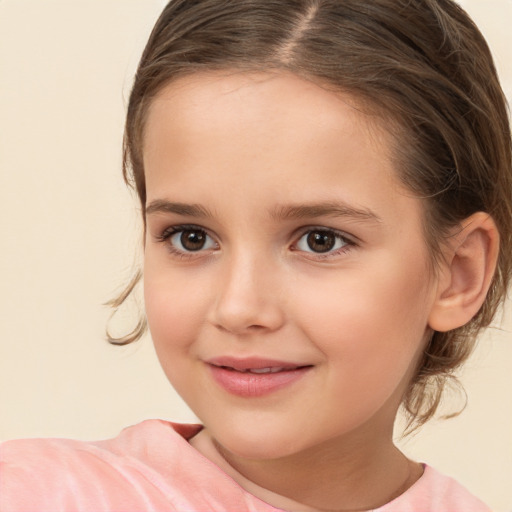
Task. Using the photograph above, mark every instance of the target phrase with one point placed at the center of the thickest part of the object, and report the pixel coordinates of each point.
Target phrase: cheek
(373, 320)
(174, 309)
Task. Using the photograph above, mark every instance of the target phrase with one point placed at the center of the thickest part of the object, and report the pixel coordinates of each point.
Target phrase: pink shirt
(151, 467)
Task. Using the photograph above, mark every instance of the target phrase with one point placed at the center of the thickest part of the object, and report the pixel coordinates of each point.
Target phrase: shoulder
(150, 466)
(435, 492)
(138, 442)
(123, 473)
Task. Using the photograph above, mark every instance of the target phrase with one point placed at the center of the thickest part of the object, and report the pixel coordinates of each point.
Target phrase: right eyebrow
(190, 210)
(328, 208)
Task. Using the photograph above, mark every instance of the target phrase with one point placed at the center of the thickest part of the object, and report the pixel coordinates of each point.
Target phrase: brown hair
(421, 63)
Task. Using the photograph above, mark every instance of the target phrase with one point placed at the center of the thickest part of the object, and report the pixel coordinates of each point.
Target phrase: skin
(245, 148)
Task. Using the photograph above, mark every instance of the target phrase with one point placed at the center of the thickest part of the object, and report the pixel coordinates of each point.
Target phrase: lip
(233, 375)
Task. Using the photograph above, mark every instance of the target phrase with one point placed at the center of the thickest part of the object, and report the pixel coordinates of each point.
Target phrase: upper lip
(253, 363)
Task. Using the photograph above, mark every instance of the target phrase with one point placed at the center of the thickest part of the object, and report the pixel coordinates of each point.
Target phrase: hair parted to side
(421, 64)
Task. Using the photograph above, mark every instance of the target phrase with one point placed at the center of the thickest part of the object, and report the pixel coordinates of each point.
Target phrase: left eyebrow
(323, 209)
(164, 206)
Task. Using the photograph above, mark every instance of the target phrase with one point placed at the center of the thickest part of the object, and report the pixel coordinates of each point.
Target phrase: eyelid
(177, 228)
(349, 237)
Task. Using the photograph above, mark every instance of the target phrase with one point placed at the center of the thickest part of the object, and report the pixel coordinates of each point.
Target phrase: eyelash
(347, 241)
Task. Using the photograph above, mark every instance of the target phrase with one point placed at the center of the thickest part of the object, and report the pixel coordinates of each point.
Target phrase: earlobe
(468, 269)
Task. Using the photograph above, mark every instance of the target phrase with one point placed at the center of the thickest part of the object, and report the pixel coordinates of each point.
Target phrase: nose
(249, 298)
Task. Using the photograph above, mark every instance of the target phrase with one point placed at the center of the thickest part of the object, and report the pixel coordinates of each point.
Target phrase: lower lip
(255, 384)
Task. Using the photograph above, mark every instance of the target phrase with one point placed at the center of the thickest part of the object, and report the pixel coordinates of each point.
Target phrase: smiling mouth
(251, 378)
(259, 371)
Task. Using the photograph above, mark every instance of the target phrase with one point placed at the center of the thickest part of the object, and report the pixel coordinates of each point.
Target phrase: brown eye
(322, 241)
(190, 240)
(193, 240)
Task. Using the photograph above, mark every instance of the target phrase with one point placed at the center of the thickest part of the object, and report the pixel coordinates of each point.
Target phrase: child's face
(279, 236)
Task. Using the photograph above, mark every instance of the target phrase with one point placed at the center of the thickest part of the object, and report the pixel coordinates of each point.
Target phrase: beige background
(69, 231)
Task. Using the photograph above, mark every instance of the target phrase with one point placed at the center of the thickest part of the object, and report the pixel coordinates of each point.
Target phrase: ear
(466, 273)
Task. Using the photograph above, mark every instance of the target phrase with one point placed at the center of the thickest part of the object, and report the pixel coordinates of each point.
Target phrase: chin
(266, 450)
(260, 442)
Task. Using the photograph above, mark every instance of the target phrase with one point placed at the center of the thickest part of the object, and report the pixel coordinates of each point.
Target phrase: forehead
(282, 135)
(226, 100)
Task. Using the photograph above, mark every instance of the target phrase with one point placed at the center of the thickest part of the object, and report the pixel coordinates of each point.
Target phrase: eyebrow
(324, 209)
(284, 212)
(164, 206)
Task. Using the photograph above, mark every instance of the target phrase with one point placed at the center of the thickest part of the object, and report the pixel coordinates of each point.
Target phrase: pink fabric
(151, 467)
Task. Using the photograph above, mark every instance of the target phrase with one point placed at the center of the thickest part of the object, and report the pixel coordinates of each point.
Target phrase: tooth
(261, 370)
(234, 369)
(266, 370)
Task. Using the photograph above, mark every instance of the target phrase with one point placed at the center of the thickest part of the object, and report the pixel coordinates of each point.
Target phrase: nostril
(239, 329)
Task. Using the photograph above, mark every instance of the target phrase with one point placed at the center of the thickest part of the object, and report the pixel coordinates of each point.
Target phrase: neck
(340, 475)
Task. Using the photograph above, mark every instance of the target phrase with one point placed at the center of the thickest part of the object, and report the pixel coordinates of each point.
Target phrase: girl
(326, 191)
